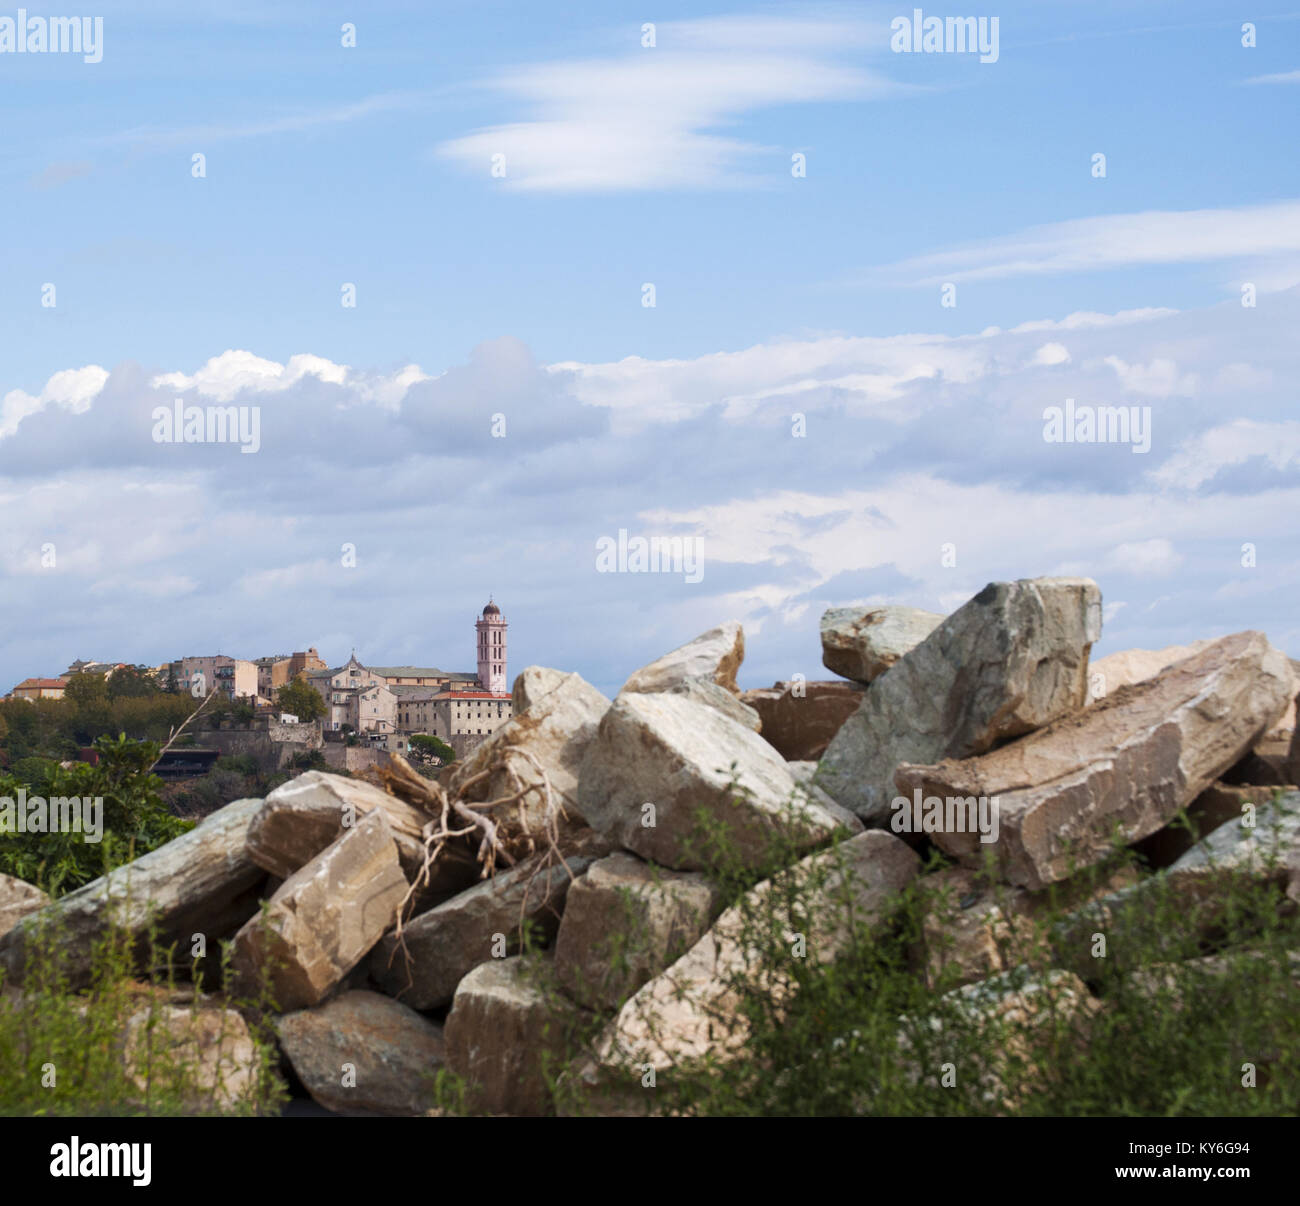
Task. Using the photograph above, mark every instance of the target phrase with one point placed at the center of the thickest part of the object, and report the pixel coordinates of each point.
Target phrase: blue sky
(522, 295)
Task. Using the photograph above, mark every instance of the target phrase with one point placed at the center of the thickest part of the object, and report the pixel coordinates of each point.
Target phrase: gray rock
(659, 760)
(450, 940)
(1128, 763)
(624, 922)
(17, 899)
(861, 643)
(203, 882)
(1011, 660)
(714, 656)
(324, 919)
(676, 1015)
(508, 1037)
(364, 1053)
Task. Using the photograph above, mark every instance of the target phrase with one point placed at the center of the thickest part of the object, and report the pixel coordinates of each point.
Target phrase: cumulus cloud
(500, 474)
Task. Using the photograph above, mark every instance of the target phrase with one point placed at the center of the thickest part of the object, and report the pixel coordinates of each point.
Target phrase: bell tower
(491, 628)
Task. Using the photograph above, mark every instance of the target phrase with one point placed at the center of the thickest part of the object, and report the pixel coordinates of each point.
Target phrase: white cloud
(1052, 353)
(1203, 456)
(1279, 77)
(1114, 241)
(72, 389)
(649, 119)
(1145, 558)
(1159, 379)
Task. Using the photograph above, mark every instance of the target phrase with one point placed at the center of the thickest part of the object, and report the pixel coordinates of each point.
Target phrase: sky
(416, 245)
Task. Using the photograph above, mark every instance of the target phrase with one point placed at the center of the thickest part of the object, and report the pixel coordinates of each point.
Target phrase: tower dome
(491, 609)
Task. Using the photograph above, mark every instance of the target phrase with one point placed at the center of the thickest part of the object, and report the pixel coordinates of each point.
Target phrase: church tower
(491, 629)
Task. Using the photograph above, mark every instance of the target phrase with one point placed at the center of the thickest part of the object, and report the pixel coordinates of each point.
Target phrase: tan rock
(624, 922)
(364, 1053)
(861, 643)
(203, 882)
(445, 944)
(555, 720)
(508, 1036)
(17, 899)
(208, 1053)
(1011, 660)
(800, 718)
(1125, 765)
(714, 655)
(324, 919)
(660, 760)
(1107, 674)
(300, 818)
(692, 1009)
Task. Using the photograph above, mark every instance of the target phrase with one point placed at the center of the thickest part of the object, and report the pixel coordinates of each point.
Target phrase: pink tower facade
(491, 628)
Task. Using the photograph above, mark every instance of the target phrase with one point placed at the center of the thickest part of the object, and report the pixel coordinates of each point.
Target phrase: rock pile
(554, 884)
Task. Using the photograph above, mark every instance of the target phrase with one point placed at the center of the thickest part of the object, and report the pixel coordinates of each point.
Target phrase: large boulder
(714, 656)
(324, 919)
(624, 922)
(364, 1053)
(799, 719)
(1107, 674)
(440, 947)
(203, 882)
(861, 643)
(659, 760)
(508, 1036)
(693, 1010)
(17, 899)
(206, 1053)
(703, 670)
(300, 818)
(1127, 764)
(1011, 660)
(555, 719)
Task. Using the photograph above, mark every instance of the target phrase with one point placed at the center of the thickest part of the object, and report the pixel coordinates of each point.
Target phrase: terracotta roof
(470, 695)
(42, 682)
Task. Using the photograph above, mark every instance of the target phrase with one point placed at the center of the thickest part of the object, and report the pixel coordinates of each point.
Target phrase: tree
(300, 699)
(433, 746)
(85, 690)
(132, 682)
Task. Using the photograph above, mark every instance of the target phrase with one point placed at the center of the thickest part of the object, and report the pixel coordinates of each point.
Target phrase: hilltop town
(385, 705)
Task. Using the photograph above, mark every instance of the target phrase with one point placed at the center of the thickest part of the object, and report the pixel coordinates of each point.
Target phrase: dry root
(453, 819)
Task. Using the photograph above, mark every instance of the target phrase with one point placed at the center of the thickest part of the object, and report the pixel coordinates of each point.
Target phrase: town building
(39, 688)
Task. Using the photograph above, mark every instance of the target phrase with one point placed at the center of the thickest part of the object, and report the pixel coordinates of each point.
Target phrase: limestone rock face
(675, 755)
(300, 818)
(624, 922)
(325, 918)
(714, 656)
(1011, 660)
(555, 719)
(203, 882)
(506, 1035)
(861, 643)
(445, 944)
(691, 1009)
(799, 719)
(17, 899)
(394, 1054)
(1132, 760)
